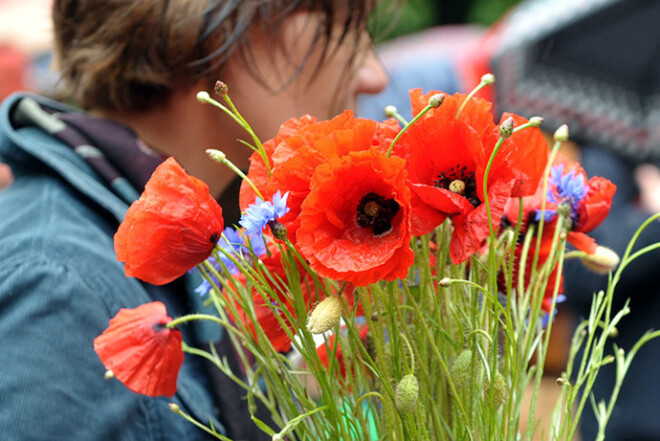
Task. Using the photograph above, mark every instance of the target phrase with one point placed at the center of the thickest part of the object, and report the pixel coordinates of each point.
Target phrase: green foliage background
(400, 17)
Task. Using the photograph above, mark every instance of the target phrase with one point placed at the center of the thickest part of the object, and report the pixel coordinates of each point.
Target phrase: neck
(184, 128)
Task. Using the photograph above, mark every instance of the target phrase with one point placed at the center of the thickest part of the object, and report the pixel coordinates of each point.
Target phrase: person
(134, 68)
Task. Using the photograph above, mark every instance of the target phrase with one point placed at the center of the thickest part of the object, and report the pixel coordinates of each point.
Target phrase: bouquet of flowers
(388, 280)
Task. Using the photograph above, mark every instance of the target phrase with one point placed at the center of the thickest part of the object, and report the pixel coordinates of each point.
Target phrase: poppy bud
(488, 79)
(561, 134)
(436, 100)
(174, 407)
(406, 394)
(461, 370)
(506, 128)
(221, 88)
(499, 392)
(391, 111)
(203, 96)
(535, 121)
(326, 315)
(445, 282)
(109, 375)
(602, 261)
(216, 155)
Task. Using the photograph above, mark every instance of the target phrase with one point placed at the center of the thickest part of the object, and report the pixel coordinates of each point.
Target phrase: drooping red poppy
(141, 351)
(446, 164)
(355, 221)
(295, 157)
(171, 228)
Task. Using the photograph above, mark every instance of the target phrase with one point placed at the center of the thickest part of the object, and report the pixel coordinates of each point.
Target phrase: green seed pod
(500, 391)
(461, 371)
(406, 394)
(326, 315)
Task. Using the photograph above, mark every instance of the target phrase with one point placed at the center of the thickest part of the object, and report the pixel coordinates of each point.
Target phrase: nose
(371, 76)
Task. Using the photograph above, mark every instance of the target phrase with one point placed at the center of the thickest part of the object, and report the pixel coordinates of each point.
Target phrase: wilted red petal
(141, 352)
(171, 228)
(596, 204)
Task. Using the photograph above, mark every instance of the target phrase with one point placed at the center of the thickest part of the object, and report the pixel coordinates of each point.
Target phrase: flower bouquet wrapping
(387, 280)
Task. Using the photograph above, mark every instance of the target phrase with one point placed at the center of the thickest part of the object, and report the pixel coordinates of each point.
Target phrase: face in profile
(291, 77)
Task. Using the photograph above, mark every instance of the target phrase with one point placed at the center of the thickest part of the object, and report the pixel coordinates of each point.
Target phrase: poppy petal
(140, 351)
(172, 227)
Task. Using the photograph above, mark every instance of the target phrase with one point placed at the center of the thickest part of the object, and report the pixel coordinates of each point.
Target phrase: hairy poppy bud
(499, 392)
(203, 96)
(391, 111)
(602, 261)
(326, 315)
(406, 394)
(216, 155)
(461, 370)
(561, 134)
(488, 79)
(535, 121)
(221, 88)
(506, 128)
(436, 100)
(174, 407)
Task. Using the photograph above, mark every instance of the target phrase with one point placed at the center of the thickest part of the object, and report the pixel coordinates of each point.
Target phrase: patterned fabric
(111, 149)
(590, 63)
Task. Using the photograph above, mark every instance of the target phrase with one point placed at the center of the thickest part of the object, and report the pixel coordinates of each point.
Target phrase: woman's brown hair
(130, 55)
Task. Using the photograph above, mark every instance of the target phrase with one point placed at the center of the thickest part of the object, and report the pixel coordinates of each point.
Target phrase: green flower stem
(174, 408)
(443, 366)
(406, 127)
(242, 175)
(204, 97)
(248, 128)
(191, 317)
(474, 91)
(496, 149)
(546, 178)
(291, 425)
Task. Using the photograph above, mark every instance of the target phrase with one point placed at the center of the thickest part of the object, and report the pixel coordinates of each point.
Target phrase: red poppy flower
(295, 156)
(140, 351)
(171, 228)
(446, 164)
(526, 151)
(589, 201)
(355, 221)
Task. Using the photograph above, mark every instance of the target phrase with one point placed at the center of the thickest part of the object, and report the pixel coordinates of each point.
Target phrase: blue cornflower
(232, 243)
(261, 213)
(569, 188)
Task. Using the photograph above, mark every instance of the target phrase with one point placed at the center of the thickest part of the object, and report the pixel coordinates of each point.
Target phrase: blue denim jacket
(60, 284)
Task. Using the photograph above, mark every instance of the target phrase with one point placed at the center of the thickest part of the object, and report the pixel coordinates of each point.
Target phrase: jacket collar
(20, 145)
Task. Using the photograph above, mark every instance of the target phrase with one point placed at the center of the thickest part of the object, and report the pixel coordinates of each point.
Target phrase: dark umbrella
(594, 64)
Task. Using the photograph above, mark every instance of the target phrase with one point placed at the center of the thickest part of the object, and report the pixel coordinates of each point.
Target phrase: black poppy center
(214, 238)
(159, 326)
(376, 212)
(461, 181)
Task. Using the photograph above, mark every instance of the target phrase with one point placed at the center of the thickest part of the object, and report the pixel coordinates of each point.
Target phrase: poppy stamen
(376, 212)
(461, 181)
